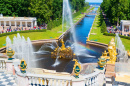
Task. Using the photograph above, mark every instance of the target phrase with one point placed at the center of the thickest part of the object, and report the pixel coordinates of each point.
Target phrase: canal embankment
(95, 34)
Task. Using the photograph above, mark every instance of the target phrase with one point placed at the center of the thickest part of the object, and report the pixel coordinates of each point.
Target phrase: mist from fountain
(67, 17)
(122, 53)
(57, 61)
(122, 65)
(66, 20)
(47, 48)
(22, 48)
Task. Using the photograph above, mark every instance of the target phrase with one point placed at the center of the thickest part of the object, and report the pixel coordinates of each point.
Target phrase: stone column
(0, 23)
(9, 23)
(20, 23)
(15, 23)
(35, 23)
(129, 28)
(22, 80)
(79, 81)
(26, 24)
(4, 23)
(122, 29)
(31, 24)
(9, 67)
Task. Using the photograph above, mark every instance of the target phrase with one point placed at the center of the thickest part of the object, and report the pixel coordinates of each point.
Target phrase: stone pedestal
(78, 81)
(16, 67)
(22, 80)
(110, 70)
(101, 76)
(9, 67)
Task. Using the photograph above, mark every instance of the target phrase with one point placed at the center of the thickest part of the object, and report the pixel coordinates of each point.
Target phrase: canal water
(83, 28)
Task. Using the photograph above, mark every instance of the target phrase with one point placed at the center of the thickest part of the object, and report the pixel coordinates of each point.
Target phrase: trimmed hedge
(25, 31)
(109, 34)
(112, 34)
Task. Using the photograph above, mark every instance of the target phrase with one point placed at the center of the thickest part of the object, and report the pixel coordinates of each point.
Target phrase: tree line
(44, 10)
(116, 10)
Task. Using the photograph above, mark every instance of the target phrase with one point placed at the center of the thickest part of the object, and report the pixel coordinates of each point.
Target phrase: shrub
(103, 27)
(121, 36)
(26, 31)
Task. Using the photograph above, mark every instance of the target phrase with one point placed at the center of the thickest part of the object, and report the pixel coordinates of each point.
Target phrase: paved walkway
(108, 81)
(7, 79)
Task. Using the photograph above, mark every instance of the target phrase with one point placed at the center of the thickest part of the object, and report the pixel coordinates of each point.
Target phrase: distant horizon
(94, 1)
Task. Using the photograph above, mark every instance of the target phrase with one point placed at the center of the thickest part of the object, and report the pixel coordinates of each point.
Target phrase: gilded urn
(23, 66)
(76, 68)
(102, 62)
(10, 53)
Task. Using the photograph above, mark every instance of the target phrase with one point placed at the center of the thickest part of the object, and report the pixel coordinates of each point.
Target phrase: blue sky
(93, 0)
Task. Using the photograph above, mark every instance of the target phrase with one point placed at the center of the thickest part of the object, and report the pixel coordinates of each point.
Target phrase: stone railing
(55, 79)
(29, 79)
(92, 79)
(49, 80)
(2, 64)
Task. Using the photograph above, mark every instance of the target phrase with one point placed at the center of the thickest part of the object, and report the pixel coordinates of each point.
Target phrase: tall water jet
(67, 18)
(122, 53)
(22, 48)
(122, 57)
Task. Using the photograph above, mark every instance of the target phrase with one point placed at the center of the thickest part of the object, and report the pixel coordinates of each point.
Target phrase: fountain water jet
(122, 54)
(57, 61)
(22, 48)
(67, 17)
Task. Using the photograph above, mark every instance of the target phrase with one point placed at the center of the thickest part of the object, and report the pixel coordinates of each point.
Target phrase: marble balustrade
(49, 80)
(92, 79)
(28, 79)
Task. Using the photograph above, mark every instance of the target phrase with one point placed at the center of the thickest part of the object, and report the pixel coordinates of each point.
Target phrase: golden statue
(105, 54)
(63, 52)
(63, 45)
(76, 68)
(87, 39)
(112, 52)
(128, 52)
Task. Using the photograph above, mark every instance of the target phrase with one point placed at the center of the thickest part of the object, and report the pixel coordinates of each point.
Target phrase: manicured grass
(49, 34)
(102, 38)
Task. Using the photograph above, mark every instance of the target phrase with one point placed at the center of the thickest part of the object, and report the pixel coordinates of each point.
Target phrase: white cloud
(93, 0)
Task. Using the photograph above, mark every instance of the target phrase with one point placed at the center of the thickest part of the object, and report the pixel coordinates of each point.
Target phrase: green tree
(103, 27)
(42, 9)
(57, 9)
(116, 10)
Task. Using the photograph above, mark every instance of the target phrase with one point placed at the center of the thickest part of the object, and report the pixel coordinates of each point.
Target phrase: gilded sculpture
(63, 52)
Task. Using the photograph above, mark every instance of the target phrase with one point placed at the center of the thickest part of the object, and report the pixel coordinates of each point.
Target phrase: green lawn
(102, 38)
(49, 34)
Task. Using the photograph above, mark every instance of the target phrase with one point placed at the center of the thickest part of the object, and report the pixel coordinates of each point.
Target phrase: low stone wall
(97, 44)
(2, 50)
(38, 42)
